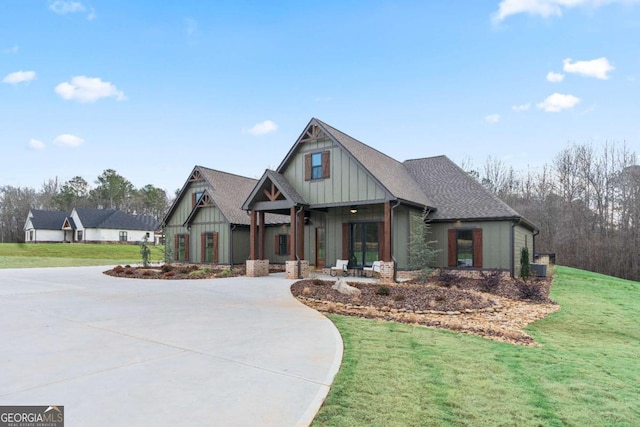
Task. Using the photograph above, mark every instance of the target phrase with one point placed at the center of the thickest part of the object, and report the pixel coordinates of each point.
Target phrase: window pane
(465, 248)
(209, 247)
(316, 166)
(364, 244)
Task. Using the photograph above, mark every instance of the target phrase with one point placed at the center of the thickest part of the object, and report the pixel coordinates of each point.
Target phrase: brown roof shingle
(456, 194)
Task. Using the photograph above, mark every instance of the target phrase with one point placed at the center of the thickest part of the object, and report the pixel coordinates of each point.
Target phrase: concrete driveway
(233, 352)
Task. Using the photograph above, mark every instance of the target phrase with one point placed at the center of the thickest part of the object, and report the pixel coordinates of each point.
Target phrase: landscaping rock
(343, 287)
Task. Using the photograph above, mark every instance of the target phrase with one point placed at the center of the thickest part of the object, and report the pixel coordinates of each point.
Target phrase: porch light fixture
(353, 210)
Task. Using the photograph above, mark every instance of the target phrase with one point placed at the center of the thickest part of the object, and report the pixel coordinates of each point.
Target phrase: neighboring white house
(89, 225)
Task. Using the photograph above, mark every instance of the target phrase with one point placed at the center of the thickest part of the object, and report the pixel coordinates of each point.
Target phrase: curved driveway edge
(236, 352)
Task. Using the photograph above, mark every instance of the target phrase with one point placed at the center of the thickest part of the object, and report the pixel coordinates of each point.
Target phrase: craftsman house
(346, 200)
(88, 225)
(333, 197)
(206, 223)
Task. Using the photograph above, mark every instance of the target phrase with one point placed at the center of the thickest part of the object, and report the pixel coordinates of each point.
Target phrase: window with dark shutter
(317, 165)
(464, 249)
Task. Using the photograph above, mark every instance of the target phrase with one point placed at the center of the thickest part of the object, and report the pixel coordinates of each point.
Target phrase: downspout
(231, 228)
(533, 244)
(393, 258)
(513, 248)
(295, 243)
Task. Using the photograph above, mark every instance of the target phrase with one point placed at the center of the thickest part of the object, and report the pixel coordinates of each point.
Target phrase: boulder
(344, 288)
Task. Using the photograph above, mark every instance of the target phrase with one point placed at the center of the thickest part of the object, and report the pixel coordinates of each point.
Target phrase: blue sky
(151, 89)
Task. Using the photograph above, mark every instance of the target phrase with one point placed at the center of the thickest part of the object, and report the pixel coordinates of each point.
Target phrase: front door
(320, 247)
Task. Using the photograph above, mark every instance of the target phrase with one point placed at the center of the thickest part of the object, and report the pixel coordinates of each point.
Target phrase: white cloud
(492, 118)
(68, 140)
(62, 7)
(521, 107)
(545, 8)
(263, 128)
(19, 77)
(36, 144)
(12, 49)
(88, 89)
(597, 68)
(557, 102)
(554, 77)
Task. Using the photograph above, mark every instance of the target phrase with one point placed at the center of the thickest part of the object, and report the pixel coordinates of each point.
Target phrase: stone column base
(386, 272)
(292, 269)
(257, 267)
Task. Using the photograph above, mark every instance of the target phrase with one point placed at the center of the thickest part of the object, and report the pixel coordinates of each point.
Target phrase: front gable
(325, 173)
(194, 203)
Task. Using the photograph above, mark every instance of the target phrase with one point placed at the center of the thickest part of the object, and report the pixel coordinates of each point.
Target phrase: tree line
(586, 203)
(111, 191)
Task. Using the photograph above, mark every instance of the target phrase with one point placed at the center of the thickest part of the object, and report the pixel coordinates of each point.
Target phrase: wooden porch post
(386, 239)
(252, 235)
(261, 231)
(300, 231)
(294, 234)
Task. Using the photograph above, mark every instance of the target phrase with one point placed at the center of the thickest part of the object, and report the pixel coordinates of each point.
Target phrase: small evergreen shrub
(448, 278)
(383, 290)
(226, 273)
(525, 267)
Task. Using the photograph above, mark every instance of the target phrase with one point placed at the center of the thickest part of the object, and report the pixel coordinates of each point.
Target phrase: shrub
(317, 282)
(226, 273)
(166, 268)
(145, 251)
(531, 291)
(490, 280)
(525, 267)
(127, 266)
(448, 278)
(118, 269)
(383, 290)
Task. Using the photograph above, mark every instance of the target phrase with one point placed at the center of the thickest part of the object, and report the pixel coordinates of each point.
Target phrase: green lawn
(586, 374)
(14, 255)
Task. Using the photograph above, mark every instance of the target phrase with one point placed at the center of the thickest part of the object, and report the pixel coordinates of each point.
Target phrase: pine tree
(422, 256)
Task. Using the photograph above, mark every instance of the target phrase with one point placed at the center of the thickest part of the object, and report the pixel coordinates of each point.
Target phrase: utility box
(539, 270)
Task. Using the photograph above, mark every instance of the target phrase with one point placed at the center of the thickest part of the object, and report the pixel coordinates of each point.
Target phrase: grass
(586, 373)
(14, 255)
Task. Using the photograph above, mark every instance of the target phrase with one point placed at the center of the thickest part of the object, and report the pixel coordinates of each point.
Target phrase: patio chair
(341, 266)
(375, 267)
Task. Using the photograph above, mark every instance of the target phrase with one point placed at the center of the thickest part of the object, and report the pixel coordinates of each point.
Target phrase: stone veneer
(257, 268)
(291, 271)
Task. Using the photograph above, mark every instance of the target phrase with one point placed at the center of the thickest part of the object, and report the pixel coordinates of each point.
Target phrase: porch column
(300, 231)
(252, 235)
(261, 231)
(294, 234)
(386, 238)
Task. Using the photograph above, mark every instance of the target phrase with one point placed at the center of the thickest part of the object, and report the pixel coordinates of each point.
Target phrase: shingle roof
(47, 220)
(389, 172)
(455, 194)
(111, 219)
(229, 191)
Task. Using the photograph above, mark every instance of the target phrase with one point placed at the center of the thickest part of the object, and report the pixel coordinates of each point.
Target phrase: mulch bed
(493, 308)
(179, 271)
